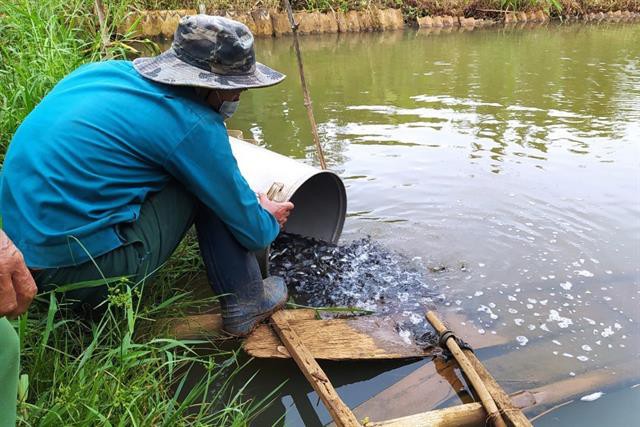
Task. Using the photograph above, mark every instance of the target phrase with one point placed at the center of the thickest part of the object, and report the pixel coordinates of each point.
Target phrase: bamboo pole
(470, 372)
(340, 412)
(512, 413)
(305, 91)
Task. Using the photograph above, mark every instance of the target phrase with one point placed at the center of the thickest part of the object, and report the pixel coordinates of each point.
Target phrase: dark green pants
(9, 370)
(165, 217)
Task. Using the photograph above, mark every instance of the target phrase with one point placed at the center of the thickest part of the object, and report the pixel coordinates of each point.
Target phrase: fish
(362, 274)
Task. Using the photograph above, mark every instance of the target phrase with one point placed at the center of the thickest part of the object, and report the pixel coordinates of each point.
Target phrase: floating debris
(591, 397)
(361, 274)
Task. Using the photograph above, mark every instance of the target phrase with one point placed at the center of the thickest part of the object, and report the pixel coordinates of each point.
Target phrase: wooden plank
(340, 412)
(467, 415)
(328, 340)
(201, 326)
(338, 339)
(509, 411)
(367, 337)
(428, 387)
(209, 326)
(533, 400)
(469, 370)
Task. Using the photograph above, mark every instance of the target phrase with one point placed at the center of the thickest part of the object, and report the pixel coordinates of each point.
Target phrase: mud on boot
(243, 310)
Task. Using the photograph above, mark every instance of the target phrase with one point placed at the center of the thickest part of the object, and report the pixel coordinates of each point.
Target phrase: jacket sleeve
(204, 164)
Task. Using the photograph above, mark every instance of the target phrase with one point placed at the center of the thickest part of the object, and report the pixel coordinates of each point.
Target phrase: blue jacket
(86, 157)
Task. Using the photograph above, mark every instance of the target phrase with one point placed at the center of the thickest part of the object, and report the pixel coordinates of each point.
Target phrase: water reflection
(532, 88)
(512, 152)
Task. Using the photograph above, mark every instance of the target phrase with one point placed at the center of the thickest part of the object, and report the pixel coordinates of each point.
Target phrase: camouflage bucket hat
(211, 52)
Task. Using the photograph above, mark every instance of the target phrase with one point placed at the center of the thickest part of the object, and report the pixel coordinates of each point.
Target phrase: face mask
(228, 108)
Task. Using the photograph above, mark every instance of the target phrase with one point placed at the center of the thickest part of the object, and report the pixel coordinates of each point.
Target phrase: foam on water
(591, 397)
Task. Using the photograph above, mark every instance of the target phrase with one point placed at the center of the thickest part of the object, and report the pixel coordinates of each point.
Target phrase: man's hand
(279, 210)
(17, 287)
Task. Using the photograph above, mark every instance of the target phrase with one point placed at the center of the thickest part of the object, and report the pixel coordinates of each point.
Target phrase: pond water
(505, 164)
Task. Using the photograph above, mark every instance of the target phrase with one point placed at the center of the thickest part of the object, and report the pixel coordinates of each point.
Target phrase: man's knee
(9, 369)
(9, 345)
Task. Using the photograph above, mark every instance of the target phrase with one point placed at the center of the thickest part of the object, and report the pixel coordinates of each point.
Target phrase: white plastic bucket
(319, 196)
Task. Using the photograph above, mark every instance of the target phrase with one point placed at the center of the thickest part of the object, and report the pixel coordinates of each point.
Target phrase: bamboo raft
(299, 335)
(496, 404)
(409, 401)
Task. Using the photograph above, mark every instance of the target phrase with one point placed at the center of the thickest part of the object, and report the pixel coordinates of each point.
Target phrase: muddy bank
(507, 18)
(272, 22)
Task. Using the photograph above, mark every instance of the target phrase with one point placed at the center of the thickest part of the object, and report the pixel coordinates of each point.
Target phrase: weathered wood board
(366, 337)
(425, 388)
(195, 327)
(549, 395)
(209, 326)
(467, 415)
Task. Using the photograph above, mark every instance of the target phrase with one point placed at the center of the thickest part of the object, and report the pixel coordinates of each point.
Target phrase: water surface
(510, 157)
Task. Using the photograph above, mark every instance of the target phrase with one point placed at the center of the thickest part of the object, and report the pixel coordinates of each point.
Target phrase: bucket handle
(275, 190)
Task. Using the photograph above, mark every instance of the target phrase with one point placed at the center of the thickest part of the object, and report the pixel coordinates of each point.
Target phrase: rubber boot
(234, 274)
(247, 307)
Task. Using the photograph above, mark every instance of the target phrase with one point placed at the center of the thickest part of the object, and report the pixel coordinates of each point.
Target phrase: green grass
(528, 4)
(119, 371)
